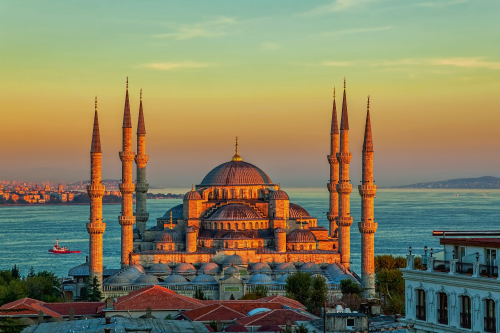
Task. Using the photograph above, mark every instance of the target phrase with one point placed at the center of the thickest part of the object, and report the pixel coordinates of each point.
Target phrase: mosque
(235, 230)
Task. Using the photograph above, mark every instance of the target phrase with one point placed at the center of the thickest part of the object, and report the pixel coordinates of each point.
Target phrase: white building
(459, 289)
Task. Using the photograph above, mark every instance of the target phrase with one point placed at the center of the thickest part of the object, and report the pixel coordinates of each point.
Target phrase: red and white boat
(61, 250)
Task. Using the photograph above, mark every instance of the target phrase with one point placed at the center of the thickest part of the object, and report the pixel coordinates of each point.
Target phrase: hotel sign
(231, 288)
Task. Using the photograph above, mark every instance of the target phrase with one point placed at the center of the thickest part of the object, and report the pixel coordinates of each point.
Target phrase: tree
(199, 294)
(15, 272)
(261, 291)
(44, 286)
(9, 324)
(298, 287)
(319, 291)
(348, 286)
(391, 283)
(91, 291)
(31, 272)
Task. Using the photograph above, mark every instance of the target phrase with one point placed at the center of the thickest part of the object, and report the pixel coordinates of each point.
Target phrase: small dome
(136, 268)
(235, 328)
(184, 268)
(283, 278)
(285, 267)
(295, 211)
(209, 268)
(279, 230)
(235, 212)
(279, 195)
(176, 279)
(257, 310)
(310, 267)
(160, 268)
(300, 236)
(146, 280)
(177, 213)
(231, 270)
(261, 267)
(235, 234)
(204, 279)
(192, 195)
(260, 279)
(235, 260)
(169, 236)
(118, 279)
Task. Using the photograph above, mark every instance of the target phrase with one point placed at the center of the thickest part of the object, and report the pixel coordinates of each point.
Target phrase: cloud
(168, 66)
(441, 3)
(337, 6)
(270, 46)
(337, 63)
(356, 31)
(467, 63)
(212, 28)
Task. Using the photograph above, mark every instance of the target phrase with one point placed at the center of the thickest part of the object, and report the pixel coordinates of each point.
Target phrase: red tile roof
(283, 300)
(158, 298)
(235, 328)
(245, 306)
(212, 312)
(30, 306)
(274, 317)
(79, 308)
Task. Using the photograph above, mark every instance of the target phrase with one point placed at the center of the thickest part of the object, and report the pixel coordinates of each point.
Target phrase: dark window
(421, 311)
(465, 317)
(489, 319)
(350, 322)
(443, 309)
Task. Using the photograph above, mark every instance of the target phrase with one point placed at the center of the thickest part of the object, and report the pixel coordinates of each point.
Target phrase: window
(302, 247)
(465, 313)
(251, 225)
(350, 323)
(260, 244)
(243, 225)
(227, 244)
(491, 255)
(202, 243)
(421, 311)
(237, 226)
(235, 245)
(310, 247)
(262, 225)
(443, 309)
(489, 318)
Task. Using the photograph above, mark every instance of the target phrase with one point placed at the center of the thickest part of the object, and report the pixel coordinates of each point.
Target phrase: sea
(405, 217)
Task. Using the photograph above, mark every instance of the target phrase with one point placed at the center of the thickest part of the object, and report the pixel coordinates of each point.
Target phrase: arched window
(202, 243)
(161, 247)
(235, 245)
(421, 310)
(293, 247)
(251, 227)
(310, 247)
(442, 308)
(465, 312)
(227, 245)
(243, 226)
(489, 315)
(236, 226)
(170, 247)
(246, 244)
(262, 225)
(260, 244)
(302, 247)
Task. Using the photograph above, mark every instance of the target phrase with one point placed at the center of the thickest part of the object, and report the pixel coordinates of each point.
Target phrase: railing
(489, 324)
(488, 271)
(464, 268)
(441, 266)
(443, 316)
(421, 312)
(465, 320)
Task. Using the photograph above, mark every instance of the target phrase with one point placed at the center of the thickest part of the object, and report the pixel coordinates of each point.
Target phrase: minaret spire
(367, 227)
(95, 226)
(141, 186)
(334, 171)
(344, 188)
(127, 187)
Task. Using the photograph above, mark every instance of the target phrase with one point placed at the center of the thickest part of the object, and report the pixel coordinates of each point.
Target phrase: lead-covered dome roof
(169, 236)
(192, 195)
(236, 234)
(260, 279)
(146, 280)
(204, 279)
(236, 173)
(209, 268)
(279, 195)
(177, 213)
(285, 267)
(235, 260)
(261, 267)
(295, 211)
(175, 279)
(159, 268)
(235, 212)
(300, 236)
(185, 268)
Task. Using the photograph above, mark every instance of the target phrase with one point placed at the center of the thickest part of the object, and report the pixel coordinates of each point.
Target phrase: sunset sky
(260, 70)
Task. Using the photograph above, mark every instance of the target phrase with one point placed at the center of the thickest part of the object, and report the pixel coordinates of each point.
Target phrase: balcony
(465, 320)
(443, 316)
(441, 266)
(488, 271)
(489, 324)
(421, 311)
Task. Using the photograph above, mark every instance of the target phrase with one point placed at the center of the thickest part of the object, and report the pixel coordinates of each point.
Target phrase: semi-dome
(209, 268)
(285, 267)
(235, 212)
(235, 260)
(192, 195)
(176, 279)
(236, 234)
(260, 279)
(310, 267)
(204, 279)
(283, 278)
(295, 211)
(159, 268)
(177, 213)
(300, 236)
(261, 267)
(279, 195)
(184, 268)
(236, 173)
(118, 279)
(231, 270)
(169, 236)
(146, 280)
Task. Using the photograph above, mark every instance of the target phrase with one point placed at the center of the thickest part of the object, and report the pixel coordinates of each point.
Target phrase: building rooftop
(479, 242)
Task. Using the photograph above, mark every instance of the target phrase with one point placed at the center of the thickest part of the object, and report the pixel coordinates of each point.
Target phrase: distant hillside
(486, 182)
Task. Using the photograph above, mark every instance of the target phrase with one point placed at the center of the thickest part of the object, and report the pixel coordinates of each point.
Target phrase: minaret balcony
(344, 158)
(331, 215)
(331, 187)
(96, 227)
(332, 159)
(344, 221)
(344, 188)
(367, 227)
(96, 190)
(368, 190)
(126, 188)
(141, 187)
(126, 220)
(127, 156)
(141, 160)
(141, 217)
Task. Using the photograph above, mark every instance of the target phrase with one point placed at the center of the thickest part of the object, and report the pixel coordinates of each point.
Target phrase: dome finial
(171, 220)
(236, 157)
(192, 187)
(300, 220)
(279, 186)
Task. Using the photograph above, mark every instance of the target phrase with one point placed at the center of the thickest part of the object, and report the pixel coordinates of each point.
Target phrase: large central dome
(236, 173)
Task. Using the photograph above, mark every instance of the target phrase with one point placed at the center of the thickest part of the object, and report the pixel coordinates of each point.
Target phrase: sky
(260, 70)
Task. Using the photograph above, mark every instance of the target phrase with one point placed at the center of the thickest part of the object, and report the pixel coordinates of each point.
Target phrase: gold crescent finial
(236, 156)
(368, 104)
(141, 94)
(333, 92)
(279, 186)
(344, 83)
(96, 103)
(192, 187)
(171, 220)
(127, 82)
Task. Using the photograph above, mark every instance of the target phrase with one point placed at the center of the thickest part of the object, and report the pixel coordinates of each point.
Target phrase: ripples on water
(405, 218)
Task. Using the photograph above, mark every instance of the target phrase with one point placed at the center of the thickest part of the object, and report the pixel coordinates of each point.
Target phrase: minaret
(95, 189)
(334, 170)
(367, 226)
(344, 188)
(127, 218)
(141, 186)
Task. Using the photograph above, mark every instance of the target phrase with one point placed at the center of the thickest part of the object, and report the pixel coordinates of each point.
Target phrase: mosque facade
(235, 230)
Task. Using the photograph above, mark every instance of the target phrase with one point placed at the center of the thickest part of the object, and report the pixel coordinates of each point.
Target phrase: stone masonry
(334, 172)
(141, 186)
